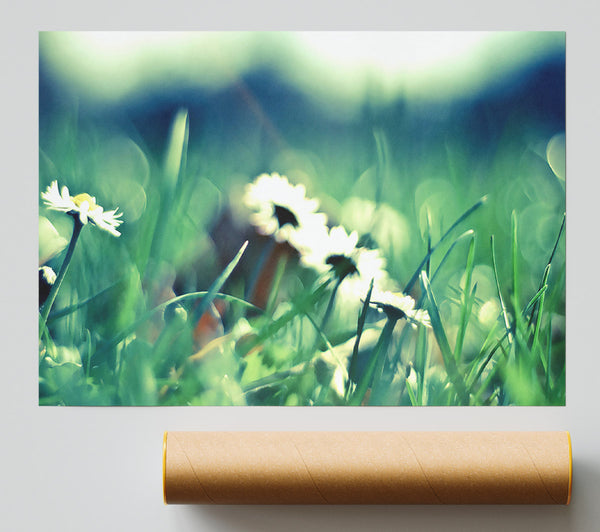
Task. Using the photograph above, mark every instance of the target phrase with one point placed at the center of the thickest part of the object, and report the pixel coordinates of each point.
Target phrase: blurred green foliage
(395, 176)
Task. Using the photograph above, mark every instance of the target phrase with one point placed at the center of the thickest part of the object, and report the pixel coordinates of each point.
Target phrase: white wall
(90, 469)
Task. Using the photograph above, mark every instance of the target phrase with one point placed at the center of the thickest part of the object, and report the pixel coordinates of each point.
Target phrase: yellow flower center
(80, 198)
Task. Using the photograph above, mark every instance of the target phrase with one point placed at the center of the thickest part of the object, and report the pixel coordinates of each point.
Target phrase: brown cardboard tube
(367, 467)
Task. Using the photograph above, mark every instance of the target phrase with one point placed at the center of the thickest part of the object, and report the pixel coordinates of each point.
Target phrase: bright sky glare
(340, 65)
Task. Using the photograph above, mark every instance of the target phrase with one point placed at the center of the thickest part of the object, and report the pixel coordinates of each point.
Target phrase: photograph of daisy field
(302, 218)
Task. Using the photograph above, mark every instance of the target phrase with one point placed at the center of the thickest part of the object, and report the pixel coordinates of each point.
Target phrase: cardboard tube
(367, 468)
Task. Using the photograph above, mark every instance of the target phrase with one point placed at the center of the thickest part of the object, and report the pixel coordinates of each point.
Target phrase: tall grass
(191, 306)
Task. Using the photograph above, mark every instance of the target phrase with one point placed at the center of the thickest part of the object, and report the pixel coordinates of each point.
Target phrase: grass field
(206, 292)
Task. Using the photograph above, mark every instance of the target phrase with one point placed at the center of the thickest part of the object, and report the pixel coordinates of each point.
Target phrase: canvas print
(302, 218)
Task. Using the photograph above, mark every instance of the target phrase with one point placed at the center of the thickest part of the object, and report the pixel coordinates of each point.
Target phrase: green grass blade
(277, 377)
(477, 360)
(458, 239)
(73, 308)
(411, 394)
(464, 324)
(472, 380)
(468, 296)
(179, 299)
(487, 361)
(421, 363)
(560, 232)
(532, 302)
(327, 343)
(428, 266)
(300, 306)
(499, 291)
(548, 383)
(44, 334)
(378, 352)
(515, 263)
(218, 284)
(274, 293)
(440, 334)
(540, 308)
(436, 321)
(359, 331)
(491, 398)
(499, 367)
(460, 219)
(521, 348)
(177, 149)
(545, 276)
(88, 342)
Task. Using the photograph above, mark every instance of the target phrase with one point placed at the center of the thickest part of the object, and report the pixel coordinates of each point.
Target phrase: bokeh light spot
(556, 155)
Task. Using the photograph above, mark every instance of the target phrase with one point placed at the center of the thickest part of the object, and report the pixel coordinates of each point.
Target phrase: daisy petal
(83, 206)
(280, 209)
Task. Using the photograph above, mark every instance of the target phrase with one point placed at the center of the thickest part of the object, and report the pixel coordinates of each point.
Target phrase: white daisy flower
(398, 305)
(47, 274)
(281, 209)
(336, 251)
(47, 278)
(83, 206)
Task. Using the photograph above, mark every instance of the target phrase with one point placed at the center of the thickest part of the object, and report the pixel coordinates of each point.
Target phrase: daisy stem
(376, 360)
(274, 292)
(328, 312)
(77, 226)
(331, 303)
